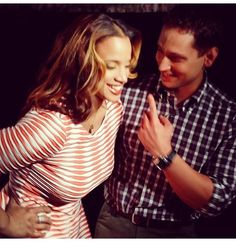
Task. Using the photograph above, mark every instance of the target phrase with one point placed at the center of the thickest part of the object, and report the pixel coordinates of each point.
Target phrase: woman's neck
(97, 102)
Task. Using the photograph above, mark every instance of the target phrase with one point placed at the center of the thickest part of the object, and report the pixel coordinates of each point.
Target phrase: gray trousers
(109, 226)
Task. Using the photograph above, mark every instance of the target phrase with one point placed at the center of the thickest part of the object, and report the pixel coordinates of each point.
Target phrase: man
(176, 148)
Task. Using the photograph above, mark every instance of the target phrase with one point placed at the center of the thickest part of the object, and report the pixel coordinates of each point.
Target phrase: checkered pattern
(204, 136)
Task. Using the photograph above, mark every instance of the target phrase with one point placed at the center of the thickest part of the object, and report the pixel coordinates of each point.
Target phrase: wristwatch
(163, 162)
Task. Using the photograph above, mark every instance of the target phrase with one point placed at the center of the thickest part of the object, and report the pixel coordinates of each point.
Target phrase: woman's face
(116, 53)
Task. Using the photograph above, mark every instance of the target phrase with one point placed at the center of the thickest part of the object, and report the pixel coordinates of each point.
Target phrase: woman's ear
(210, 56)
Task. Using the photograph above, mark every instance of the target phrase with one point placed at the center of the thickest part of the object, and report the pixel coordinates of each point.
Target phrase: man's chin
(167, 86)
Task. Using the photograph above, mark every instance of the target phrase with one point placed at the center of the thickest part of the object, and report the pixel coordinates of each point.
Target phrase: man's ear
(210, 56)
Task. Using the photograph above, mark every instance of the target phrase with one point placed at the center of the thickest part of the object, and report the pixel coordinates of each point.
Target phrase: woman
(63, 147)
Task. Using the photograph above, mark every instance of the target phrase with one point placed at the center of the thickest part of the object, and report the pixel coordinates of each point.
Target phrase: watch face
(164, 162)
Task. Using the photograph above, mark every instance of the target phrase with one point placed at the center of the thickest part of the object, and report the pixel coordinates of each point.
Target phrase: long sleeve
(38, 135)
(222, 172)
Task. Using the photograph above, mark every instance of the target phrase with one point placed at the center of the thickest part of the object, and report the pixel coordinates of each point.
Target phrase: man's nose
(164, 64)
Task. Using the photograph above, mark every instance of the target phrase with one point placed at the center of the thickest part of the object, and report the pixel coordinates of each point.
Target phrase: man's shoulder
(221, 98)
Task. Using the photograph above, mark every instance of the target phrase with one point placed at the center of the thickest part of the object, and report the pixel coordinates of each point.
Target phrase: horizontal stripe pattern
(55, 162)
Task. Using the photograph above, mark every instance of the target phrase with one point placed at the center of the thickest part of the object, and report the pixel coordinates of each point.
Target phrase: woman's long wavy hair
(73, 71)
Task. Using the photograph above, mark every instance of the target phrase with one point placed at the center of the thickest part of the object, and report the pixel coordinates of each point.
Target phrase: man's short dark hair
(198, 20)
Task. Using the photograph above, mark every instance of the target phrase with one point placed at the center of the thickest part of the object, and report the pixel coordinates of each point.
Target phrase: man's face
(180, 66)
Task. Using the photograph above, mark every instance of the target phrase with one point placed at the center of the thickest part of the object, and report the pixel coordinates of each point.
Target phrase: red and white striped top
(55, 162)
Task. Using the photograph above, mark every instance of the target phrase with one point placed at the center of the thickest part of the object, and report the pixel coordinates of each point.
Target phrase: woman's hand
(25, 221)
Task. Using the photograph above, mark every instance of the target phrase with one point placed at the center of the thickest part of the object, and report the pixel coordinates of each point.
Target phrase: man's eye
(176, 59)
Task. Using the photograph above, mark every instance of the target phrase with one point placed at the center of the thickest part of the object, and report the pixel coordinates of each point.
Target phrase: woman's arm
(38, 135)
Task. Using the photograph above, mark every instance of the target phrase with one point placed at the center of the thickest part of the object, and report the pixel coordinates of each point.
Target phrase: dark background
(27, 33)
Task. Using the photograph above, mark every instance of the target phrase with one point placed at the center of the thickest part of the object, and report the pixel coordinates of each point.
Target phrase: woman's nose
(122, 75)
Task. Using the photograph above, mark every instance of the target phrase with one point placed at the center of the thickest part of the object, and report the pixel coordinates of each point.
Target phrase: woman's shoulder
(46, 114)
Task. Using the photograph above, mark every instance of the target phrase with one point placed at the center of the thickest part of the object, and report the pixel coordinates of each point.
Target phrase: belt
(148, 221)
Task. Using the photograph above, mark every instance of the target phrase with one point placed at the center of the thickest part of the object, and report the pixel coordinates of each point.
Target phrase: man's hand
(24, 221)
(155, 131)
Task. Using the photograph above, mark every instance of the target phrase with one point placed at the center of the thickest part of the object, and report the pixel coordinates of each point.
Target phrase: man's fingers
(46, 209)
(38, 209)
(42, 226)
(164, 120)
(42, 217)
(42, 209)
(144, 120)
(38, 234)
(152, 106)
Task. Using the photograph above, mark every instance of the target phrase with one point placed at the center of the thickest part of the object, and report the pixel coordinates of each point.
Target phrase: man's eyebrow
(172, 54)
(177, 55)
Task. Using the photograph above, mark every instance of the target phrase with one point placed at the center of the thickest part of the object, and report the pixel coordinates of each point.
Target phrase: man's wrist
(162, 162)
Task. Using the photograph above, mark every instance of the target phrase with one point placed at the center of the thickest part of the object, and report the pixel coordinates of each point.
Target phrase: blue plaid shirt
(204, 136)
